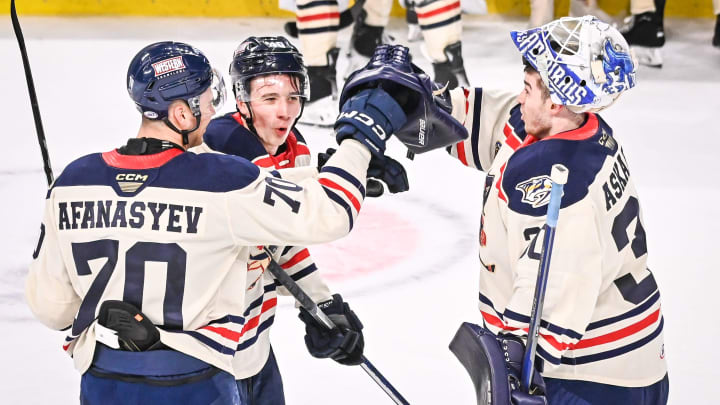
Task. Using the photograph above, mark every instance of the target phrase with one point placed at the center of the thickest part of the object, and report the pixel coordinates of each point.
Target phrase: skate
(322, 107)
(365, 38)
(452, 71)
(644, 32)
(716, 37)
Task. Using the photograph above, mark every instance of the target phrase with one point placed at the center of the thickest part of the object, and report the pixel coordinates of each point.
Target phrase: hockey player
(716, 35)
(143, 250)
(270, 84)
(644, 30)
(319, 21)
(601, 335)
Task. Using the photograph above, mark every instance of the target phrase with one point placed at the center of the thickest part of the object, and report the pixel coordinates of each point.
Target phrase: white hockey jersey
(227, 134)
(172, 234)
(601, 320)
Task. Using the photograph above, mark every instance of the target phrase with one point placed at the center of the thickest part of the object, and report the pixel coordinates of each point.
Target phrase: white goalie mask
(585, 63)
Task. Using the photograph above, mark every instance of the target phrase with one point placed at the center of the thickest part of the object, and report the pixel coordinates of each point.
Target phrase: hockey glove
(427, 106)
(370, 117)
(344, 343)
(387, 170)
(514, 349)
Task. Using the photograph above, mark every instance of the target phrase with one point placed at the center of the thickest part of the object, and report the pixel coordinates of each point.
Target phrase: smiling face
(275, 104)
(535, 106)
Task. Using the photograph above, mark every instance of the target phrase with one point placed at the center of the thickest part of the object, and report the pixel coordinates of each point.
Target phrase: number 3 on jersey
(631, 290)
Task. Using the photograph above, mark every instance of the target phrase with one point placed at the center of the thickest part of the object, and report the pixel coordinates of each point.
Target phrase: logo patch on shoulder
(536, 190)
(168, 65)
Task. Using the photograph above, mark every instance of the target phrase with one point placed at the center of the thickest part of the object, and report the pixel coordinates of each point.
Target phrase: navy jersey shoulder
(226, 135)
(526, 180)
(188, 171)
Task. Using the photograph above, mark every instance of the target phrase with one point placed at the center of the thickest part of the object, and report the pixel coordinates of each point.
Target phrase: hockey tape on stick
(312, 308)
(31, 91)
(558, 176)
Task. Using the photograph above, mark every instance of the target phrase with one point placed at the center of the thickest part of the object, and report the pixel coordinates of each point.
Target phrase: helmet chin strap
(184, 132)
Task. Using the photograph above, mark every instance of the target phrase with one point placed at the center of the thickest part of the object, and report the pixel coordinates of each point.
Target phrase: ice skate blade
(651, 57)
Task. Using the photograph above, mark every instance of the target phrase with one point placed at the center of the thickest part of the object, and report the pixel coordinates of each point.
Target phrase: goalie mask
(585, 63)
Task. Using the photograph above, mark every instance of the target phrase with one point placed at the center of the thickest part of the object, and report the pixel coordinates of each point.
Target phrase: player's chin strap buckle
(122, 326)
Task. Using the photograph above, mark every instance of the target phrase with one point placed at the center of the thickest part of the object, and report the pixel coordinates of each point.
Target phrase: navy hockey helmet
(259, 56)
(166, 71)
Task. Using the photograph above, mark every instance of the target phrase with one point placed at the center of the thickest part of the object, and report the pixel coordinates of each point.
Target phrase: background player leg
(716, 37)
(317, 26)
(541, 12)
(368, 32)
(441, 25)
(644, 30)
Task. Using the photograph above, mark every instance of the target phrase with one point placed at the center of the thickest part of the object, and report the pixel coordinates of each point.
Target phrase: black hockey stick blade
(31, 92)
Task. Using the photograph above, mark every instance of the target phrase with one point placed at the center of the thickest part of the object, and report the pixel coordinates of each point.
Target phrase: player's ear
(242, 107)
(180, 115)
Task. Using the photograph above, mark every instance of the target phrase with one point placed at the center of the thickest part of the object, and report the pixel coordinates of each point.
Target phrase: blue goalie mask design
(585, 63)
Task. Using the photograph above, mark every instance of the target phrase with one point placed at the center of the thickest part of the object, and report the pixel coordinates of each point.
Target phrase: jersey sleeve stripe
(337, 199)
(544, 324)
(224, 332)
(300, 256)
(331, 184)
(439, 10)
(345, 176)
(316, 4)
(319, 16)
(440, 23)
(619, 334)
(475, 135)
(228, 318)
(255, 321)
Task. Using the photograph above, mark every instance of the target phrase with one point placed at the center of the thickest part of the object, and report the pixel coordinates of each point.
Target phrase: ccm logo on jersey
(130, 182)
(536, 191)
(367, 120)
(168, 65)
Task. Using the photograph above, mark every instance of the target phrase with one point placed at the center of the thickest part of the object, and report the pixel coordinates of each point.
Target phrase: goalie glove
(427, 106)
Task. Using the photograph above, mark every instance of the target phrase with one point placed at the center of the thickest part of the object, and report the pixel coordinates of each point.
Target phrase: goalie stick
(558, 176)
(31, 91)
(312, 308)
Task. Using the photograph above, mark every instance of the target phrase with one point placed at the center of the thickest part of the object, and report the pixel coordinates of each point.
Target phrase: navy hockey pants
(154, 378)
(265, 387)
(575, 392)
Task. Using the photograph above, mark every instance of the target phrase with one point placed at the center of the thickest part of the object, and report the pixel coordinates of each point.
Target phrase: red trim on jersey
(224, 332)
(584, 343)
(115, 159)
(498, 185)
(238, 117)
(461, 152)
(320, 16)
(65, 347)
(300, 256)
(584, 132)
(510, 138)
(439, 10)
(255, 321)
(331, 184)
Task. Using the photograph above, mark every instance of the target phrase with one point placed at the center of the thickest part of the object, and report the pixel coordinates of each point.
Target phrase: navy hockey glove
(427, 106)
(370, 116)
(387, 170)
(344, 343)
(514, 349)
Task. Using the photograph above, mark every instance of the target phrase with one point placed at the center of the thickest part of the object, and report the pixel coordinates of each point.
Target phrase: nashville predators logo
(536, 191)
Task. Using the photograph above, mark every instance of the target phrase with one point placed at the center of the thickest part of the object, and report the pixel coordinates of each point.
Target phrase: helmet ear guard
(585, 63)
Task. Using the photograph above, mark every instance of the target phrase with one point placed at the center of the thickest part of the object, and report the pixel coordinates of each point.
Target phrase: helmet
(166, 71)
(585, 63)
(257, 56)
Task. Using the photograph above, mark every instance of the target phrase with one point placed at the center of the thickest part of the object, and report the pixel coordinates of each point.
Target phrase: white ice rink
(409, 268)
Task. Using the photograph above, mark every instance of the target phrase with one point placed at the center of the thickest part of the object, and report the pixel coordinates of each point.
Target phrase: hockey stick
(31, 91)
(312, 308)
(558, 175)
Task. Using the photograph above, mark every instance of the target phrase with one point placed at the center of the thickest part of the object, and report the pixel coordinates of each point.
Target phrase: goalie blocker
(429, 124)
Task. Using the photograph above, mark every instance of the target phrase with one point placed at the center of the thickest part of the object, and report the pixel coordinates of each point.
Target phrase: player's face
(275, 103)
(207, 112)
(535, 106)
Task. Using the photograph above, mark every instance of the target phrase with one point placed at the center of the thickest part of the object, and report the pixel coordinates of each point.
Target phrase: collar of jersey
(115, 159)
(585, 131)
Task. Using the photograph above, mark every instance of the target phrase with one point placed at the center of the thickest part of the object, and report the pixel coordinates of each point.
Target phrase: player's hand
(344, 343)
(370, 117)
(514, 349)
(426, 105)
(387, 170)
